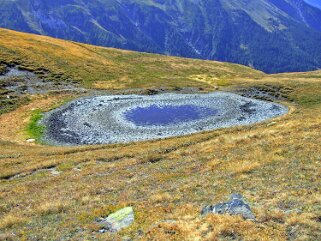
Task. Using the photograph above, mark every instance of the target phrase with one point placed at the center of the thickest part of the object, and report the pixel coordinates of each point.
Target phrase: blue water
(167, 114)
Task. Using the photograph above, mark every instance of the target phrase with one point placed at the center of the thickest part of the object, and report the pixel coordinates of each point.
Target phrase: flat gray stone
(235, 206)
(55, 172)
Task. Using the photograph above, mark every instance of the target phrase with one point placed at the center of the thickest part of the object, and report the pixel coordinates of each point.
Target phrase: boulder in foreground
(118, 220)
(235, 206)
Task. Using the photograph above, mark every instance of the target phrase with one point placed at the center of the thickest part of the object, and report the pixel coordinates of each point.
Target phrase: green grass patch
(307, 95)
(310, 101)
(66, 166)
(34, 129)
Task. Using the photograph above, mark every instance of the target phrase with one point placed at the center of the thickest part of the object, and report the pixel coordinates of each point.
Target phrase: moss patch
(34, 129)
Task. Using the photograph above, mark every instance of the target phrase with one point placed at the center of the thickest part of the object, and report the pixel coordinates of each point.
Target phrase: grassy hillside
(54, 193)
(105, 68)
(109, 68)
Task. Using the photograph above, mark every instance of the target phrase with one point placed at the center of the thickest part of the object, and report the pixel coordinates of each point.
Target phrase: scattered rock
(31, 140)
(265, 92)
(118, 220)
(27, 82)
(55, 172)
(140, 232)
(235, 206)
(248, 108)
(87, 124)
(152, 92)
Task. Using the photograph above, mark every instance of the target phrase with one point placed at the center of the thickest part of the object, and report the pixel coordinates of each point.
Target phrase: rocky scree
(102, 119)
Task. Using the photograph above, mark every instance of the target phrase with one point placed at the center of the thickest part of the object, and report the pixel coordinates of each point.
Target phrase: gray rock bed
(102, 119)
(21, 82)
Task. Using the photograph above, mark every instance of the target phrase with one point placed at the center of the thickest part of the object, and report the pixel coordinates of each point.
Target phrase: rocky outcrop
(235, 206)
(117, 221)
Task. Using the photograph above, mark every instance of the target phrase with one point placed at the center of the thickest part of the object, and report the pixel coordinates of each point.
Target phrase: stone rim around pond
(103, 119)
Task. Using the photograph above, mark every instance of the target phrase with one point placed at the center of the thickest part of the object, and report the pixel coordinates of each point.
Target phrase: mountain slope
(315, 3)
(269, 35)
(59, 192)
(108, 68)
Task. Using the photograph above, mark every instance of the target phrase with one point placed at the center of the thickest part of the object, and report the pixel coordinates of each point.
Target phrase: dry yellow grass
(275, 165)
(12, 124)
(51, 207)
(92, 65)
(10, 220)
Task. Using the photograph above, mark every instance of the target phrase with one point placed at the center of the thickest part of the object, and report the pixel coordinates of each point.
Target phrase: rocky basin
(128, 118)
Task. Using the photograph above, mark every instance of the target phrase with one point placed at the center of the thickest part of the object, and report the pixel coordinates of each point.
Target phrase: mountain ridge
(269, 35)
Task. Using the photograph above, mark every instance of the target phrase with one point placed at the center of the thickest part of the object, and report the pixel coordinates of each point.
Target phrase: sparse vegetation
(51, 208)
(9, 102)
(275, 165)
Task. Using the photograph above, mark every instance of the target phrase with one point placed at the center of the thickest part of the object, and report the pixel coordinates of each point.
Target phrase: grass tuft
(11, 220)
(50, 208)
